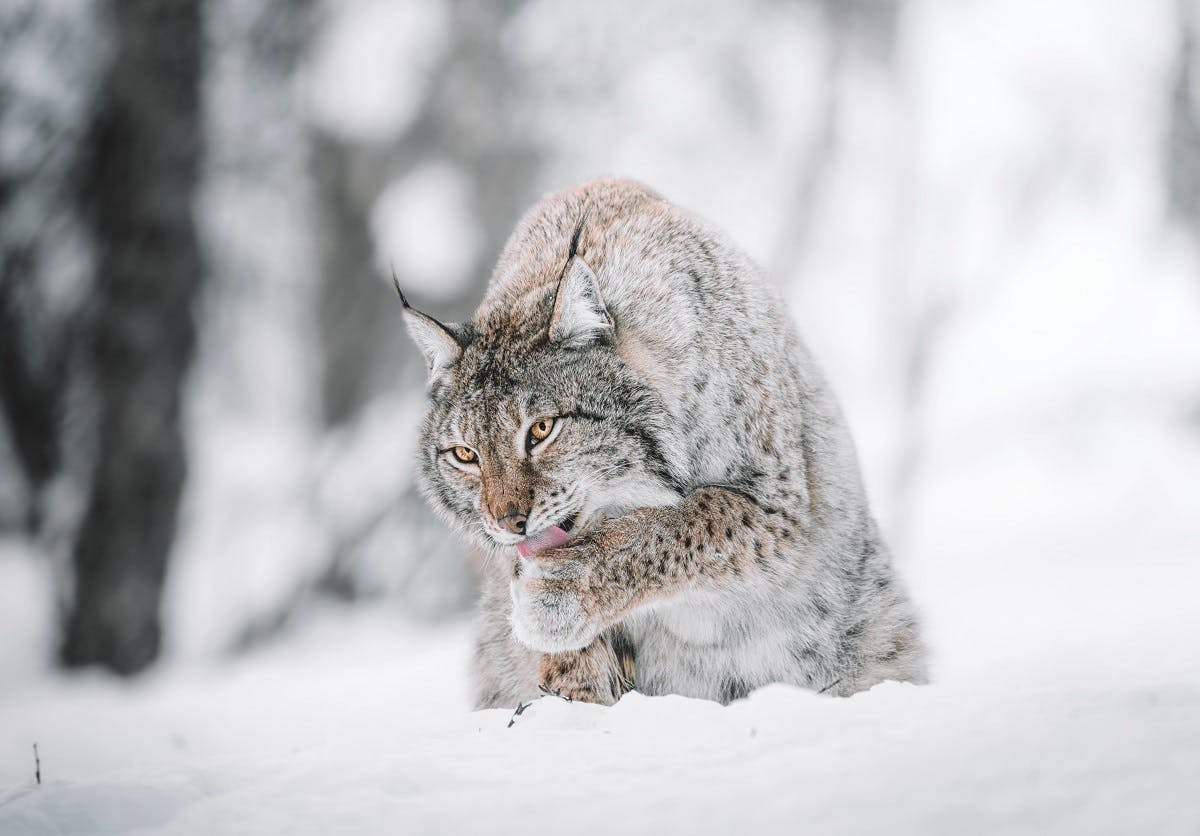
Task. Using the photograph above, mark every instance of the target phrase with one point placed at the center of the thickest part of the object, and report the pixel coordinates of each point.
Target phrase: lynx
(665, 485)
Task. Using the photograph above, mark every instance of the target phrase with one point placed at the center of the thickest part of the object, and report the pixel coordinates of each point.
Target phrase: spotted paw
(551, 611)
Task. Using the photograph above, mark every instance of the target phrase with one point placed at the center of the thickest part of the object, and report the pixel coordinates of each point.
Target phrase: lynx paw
(589, 675)
(550, 606)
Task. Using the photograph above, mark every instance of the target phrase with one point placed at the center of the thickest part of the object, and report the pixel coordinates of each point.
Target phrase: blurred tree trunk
(31, 381)
(44, 262)
(142, 164)
(471, 118)
(1183, 132)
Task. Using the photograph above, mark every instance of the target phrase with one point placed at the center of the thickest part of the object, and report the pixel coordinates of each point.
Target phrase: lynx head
(533, 419)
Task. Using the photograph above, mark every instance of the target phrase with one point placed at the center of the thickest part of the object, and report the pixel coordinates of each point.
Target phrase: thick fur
(725, 540)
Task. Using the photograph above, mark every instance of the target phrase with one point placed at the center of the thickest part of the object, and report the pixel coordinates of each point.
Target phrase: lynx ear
(580, 317)
(439, 342)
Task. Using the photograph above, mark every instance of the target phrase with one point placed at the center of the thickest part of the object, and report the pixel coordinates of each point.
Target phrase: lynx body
(632, 378)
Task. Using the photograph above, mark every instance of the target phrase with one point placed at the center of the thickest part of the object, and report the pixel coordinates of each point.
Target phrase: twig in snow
(37, 765)
(521, 706)
(830, 685)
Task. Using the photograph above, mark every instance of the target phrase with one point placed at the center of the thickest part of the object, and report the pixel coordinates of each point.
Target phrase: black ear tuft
(399, 292)
(574, 248)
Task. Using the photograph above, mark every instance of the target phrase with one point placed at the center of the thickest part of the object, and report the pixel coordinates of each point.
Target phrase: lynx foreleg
(599, 673)
(563, 598)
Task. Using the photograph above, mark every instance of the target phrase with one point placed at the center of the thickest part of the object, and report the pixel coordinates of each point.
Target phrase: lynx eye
(539, 432)
(465, 454)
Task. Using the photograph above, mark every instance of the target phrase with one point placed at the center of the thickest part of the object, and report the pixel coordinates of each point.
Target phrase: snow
(373, 743)
(370, 64)
(1066, 699)
(423, 226)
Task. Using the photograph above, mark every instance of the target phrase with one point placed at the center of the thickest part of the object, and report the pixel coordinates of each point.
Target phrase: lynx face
(535, 421)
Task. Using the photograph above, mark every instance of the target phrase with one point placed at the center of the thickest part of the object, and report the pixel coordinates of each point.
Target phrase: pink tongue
(550, 537)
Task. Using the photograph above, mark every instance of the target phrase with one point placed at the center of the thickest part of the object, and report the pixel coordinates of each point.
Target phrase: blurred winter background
(985, 216)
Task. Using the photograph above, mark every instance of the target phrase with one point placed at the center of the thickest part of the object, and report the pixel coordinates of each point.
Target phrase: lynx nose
(513, 522)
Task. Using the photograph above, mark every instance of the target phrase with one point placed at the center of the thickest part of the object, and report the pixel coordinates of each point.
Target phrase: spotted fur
(723, 539)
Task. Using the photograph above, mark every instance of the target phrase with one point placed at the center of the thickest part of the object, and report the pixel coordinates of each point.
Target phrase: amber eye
(540, 431)
(465, 455)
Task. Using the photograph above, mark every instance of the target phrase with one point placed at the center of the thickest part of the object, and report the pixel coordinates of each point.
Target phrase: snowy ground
(1067, 700)
(357, 730)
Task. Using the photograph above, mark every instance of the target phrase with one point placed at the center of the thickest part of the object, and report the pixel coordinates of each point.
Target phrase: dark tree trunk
(30, 398)
(144, 155)
(43, 248)
(1183, 130)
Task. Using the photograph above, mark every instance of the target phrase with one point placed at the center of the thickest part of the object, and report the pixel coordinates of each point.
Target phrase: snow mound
(354, 727)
